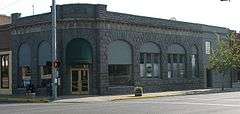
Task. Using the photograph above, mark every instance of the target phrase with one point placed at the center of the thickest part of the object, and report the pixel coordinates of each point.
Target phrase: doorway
(209, 78)
(80, 81)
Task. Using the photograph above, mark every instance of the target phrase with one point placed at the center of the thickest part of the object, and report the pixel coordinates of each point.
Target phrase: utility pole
(54, 52)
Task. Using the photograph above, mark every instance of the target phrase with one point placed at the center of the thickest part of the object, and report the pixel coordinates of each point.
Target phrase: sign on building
(208, 47)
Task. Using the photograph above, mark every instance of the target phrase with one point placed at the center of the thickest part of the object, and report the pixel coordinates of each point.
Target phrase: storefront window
(176, 61)
(5, 71)
(176, 67)
(119, 74)
(150, 66)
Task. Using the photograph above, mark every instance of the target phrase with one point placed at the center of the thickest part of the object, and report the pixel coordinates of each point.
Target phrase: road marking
(183, 103)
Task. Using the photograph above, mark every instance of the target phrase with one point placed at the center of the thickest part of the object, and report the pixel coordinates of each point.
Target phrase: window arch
(24, 55)
(119, 63)
(149, 60)
(176, 61)
(44, 63)
(194, 61)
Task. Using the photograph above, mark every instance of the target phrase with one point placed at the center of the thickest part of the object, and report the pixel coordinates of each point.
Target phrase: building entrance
(80, 80)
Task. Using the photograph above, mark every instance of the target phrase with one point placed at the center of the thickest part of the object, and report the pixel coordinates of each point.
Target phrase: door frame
(80, 92)
(209, 78)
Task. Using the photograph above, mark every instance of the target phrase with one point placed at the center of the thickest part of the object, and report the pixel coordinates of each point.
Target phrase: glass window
(177, 67)
(5, 71)
(142, 70)
(156, 65)
(156, 58)
(142, 58)
(46, 70)
(149, 70)
(169, 58)
(175, 58)
(119, 74)
(115, 70)
(149, 57)
(156, 70)
(169, 70)
(194, 65)
(181, 58)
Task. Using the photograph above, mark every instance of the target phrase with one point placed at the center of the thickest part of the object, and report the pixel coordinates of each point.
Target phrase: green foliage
(227, 55)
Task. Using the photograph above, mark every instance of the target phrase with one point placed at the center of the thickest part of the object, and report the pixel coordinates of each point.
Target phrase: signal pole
(54, 51)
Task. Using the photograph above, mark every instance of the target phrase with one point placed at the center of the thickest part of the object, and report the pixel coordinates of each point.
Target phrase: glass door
(84, 81)
(80, 80)
(75, 81)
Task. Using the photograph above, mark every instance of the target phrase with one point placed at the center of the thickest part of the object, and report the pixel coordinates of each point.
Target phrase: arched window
(176, 61)
(149, 60)
(119, 63)
(24, 55)
(44, 63)
(194, 61)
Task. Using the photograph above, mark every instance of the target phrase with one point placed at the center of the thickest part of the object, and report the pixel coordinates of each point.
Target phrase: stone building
(5, 56)
(4, 20)
(104, 52)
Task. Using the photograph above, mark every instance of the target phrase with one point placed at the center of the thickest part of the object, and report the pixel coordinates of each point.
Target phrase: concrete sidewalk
(129, 97)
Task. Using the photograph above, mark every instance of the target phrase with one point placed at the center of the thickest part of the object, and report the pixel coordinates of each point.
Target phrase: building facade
(105, 53)
(4, 20)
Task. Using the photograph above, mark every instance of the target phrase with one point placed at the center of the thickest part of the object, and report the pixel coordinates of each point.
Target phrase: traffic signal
(49, 67)
(56, 64)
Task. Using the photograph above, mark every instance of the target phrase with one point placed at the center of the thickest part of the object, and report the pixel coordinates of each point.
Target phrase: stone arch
(44, 53)
(176, 61)
(24, 64)
(119, 52)
(194, 61)
(150, 60)
(24, 55)
(120, 63)
(44, 63)
(150, 47)
(176, 49)
(78, 51)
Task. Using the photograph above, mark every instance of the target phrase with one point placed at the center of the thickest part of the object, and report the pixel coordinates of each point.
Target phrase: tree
(226, 56)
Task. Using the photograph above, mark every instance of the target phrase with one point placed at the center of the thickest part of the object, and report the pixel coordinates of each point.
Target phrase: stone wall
(100, 27)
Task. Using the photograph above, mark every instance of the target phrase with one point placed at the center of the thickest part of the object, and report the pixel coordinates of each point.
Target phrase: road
(221, 103)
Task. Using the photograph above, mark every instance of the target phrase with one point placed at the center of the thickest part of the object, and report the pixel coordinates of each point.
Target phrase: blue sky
(211, 12)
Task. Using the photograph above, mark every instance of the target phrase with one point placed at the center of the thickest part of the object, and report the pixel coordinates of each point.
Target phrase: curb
(23, 100)
(169, 95)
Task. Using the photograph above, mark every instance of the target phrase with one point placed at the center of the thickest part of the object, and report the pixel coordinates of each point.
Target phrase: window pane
(156, 70)
(148, 58)
(5, 71)
(119, 70)
(181, 58)
(175, 58)
(175, 69)
(142, 58)
(169, 74)
(169, 70)
(149, 70)
(181, 69)
(119, 74)
(156, 58)
(142, 70)
(169, 58)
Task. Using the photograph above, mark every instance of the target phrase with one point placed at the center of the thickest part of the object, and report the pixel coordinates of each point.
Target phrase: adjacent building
(4, 20)
(105, 53)
(5, 56)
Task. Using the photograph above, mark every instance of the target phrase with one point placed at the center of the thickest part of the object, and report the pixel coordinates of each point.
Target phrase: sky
(210, 12)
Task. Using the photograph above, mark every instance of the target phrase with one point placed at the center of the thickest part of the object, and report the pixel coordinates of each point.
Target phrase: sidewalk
(145, 96)
(22, 99)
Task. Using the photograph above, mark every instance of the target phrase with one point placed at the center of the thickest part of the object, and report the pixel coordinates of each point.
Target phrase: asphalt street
(221, 103)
